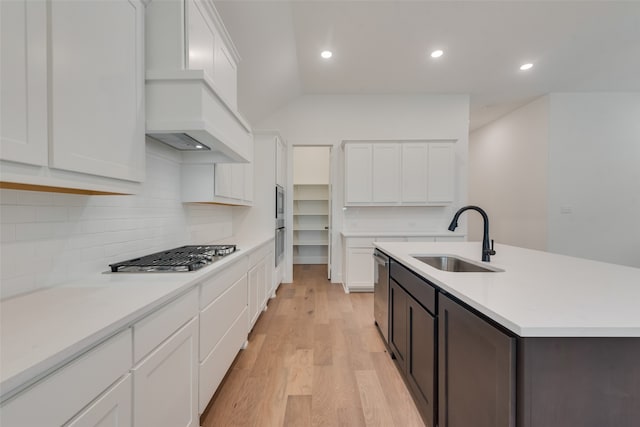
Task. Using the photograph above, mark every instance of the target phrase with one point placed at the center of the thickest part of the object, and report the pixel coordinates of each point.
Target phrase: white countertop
(539, 294)
(41, 330)
(400, 234)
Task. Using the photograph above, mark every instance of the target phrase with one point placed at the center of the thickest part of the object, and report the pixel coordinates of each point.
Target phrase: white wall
(594, 176)
(563, 174)
(508, 177)
(51, 238)
(311, 165)
(330, 119)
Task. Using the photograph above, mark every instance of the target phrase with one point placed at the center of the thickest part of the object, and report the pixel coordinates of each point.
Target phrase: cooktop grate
(184, 258)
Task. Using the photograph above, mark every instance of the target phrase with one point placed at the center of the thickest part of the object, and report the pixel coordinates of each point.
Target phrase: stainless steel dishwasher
(381, 293)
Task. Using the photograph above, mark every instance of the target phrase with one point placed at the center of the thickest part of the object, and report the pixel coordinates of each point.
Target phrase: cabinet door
(398, 328)
(421, 367)
(360, 267)
(476, 370)
(201, 39)
(441, 172)
(262, 284)
(253, 283)
(112, 409)
(166, 382)
(224, 179)
(386, 173)
(358, 173)
(23, 93)
(97, 86)
(248, 182)
(414, 172)
(237, 181)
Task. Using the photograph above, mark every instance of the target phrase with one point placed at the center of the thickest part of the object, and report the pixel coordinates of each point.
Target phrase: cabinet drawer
(416, 286)
(257, 255)
(113, 408)
(61, 395)
(218, 316)
(215, 285)
(215, 366)
(157, 327)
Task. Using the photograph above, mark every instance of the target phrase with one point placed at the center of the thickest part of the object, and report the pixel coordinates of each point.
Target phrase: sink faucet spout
(487, 250)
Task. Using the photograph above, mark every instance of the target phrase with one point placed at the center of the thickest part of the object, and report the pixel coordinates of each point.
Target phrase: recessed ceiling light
(198, 146)
(525, 67)
(326, 54)
(436, 53)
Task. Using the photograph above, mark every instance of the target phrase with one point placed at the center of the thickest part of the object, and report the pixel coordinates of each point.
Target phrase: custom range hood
(184, 110)
(191, 82)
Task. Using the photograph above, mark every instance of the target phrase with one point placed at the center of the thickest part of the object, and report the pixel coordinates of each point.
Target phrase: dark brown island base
(463, 369)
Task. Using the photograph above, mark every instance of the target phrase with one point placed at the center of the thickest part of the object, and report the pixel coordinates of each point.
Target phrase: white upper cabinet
(191, 78)
(414, 172)
(401, 173)
(73, 94)
(207, 51)
(441, 172)
(225, 183)
(97, 84)
(358, 169)
(23, 62)
(386, 181)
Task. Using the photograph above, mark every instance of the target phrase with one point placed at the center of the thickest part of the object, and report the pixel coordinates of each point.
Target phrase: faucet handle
(492, 252)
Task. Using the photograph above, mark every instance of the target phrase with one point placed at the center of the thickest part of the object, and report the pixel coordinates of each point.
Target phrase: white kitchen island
(547, 341)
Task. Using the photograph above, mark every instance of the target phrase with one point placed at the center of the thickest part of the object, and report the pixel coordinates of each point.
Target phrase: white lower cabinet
(58, 397)
(165, 383)
(214, 367)
(358, 273)
(359, 269)
(223, 326)
(112, 409)
(257, 291)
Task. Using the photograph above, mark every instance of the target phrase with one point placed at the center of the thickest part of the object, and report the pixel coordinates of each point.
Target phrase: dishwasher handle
(383, 260)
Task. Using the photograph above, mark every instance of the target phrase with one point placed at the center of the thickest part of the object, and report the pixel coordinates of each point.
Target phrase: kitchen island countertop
(539, 294)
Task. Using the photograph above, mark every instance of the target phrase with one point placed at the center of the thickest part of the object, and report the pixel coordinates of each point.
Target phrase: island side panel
(587, 382)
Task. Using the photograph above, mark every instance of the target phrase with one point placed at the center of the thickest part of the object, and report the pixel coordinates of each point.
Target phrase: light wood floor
(314, 358)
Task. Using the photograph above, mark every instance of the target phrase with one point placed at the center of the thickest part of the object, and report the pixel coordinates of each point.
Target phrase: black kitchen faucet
(486, 250)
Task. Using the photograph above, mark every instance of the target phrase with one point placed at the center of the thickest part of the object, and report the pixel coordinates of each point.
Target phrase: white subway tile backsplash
(51, 213)
(12, 214)
(7, 233)
(8, 197)
(35, 198)
(52, 238)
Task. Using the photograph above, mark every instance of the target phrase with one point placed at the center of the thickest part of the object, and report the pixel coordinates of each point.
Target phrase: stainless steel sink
(455, 264)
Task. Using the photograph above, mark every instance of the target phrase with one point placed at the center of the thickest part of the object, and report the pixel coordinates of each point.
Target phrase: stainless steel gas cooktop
(184, 258)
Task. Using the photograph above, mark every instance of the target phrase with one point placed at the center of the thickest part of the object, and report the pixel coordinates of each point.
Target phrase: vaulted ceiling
(384, 46)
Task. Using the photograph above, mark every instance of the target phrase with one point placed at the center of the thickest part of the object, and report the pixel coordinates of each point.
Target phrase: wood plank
(371, 396)
(298, 411)
(300, 377)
